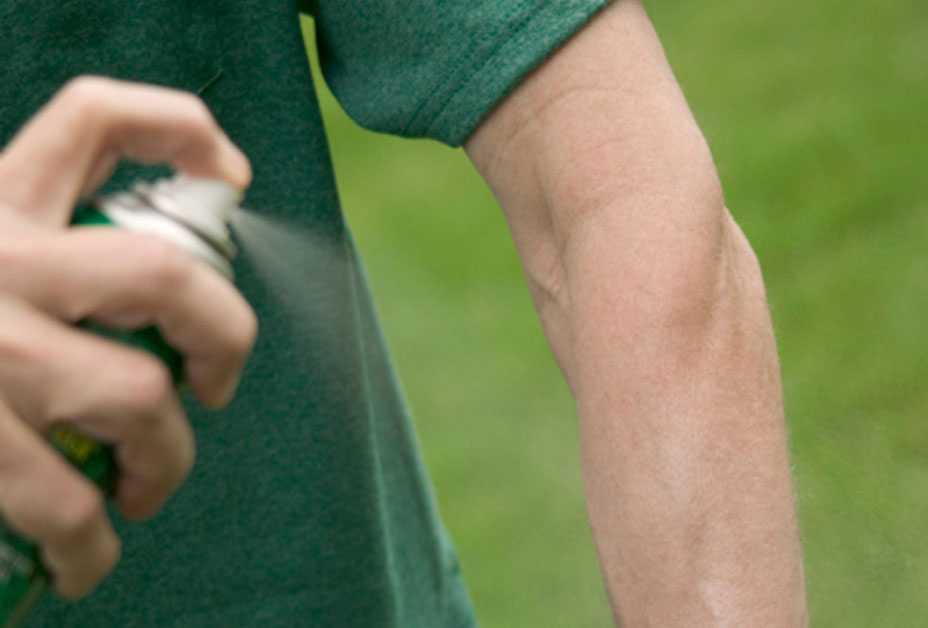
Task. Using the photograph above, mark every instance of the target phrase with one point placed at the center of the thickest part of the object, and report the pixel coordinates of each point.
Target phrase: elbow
(669, 320)
(706, 293)
(699, 271)
(716, 284)
(668, 268)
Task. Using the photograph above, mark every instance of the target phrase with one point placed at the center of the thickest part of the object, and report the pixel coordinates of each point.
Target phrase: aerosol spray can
(193, 214)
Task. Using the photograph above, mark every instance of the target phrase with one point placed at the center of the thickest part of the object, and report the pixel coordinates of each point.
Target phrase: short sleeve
(435, 68)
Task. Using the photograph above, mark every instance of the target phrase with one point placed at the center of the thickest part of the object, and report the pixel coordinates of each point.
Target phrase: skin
(52, 277)
(655, 309)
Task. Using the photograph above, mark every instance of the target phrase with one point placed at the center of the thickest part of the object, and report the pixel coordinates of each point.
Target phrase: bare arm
(654, 305)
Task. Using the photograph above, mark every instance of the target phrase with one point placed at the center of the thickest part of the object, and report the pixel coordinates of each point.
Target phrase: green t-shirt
(309, 505)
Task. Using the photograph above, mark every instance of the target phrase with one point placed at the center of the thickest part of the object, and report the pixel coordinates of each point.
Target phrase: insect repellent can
(193, 214)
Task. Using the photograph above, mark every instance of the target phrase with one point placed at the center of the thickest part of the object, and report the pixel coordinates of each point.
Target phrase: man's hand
(654, 305)
(52, 277)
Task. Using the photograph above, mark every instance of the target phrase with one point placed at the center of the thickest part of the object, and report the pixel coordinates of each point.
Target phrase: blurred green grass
(815, 112)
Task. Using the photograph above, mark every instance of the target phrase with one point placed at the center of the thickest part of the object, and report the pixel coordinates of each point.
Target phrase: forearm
(682, 431)
(666, 341)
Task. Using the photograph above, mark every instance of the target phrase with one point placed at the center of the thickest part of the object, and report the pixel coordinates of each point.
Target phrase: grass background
(816, 115)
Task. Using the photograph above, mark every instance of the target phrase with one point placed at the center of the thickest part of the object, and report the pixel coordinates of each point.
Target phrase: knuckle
(33, 365)
(24, 274)
(82, 95)
(80, 513)
(147, 386)
(85, 81)
(22, 345)
(167, 268)
(197, 112)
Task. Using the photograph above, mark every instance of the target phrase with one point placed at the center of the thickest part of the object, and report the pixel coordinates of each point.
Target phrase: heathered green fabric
(434, 68)
(309, 505)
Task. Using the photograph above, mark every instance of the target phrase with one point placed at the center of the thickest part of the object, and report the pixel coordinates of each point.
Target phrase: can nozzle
(206, 206)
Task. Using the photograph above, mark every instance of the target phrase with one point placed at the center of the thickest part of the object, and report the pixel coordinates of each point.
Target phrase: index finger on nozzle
(92, 123)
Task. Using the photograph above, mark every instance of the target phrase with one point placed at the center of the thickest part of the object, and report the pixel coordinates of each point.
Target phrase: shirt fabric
(309, 505)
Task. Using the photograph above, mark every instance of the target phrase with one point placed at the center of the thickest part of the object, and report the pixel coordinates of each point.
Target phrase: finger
(53, 374)
(45, 500)
(101, 171)
(138, 280)
(94, 121)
